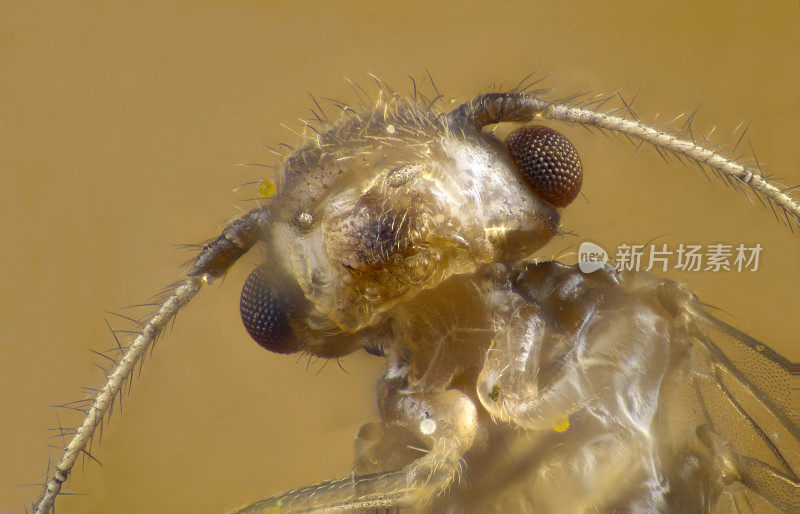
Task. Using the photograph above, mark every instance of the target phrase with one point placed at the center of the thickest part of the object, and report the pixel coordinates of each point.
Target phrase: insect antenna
(213, 262)
(492, 108)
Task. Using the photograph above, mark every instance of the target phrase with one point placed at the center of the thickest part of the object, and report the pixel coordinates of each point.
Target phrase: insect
(509, 383)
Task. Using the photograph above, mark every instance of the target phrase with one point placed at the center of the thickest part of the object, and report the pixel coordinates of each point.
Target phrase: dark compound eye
(549, 163)
(266, 313)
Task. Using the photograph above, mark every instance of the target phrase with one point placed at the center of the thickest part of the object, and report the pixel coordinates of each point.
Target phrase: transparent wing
(738, 400)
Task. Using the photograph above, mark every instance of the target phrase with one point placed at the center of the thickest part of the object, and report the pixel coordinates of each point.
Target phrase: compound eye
(267, 313)
(548, 162)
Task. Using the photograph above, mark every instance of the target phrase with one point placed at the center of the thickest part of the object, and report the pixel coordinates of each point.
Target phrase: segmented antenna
(106, 395)
(214, 260)
(515, 106)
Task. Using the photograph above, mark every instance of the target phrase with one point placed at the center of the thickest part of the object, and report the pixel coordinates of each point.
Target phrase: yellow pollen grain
(561, 423)
(266, 188)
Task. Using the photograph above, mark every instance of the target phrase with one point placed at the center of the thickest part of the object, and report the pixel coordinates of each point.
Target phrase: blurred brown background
(120, 128)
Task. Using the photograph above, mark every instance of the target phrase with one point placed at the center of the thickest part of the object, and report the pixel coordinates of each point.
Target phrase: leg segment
(581, 358)
(444, 423)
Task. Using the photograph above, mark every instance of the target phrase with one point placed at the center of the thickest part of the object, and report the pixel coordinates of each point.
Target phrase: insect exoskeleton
(409, 233)
(392, 202)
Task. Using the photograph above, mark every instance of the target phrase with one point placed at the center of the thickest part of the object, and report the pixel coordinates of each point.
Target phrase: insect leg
(446, 422)
(214, 260)
(535, 376)
(566, 361)
(357, 492)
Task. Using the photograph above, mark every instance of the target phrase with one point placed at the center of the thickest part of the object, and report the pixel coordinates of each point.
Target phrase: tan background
(119, 131)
